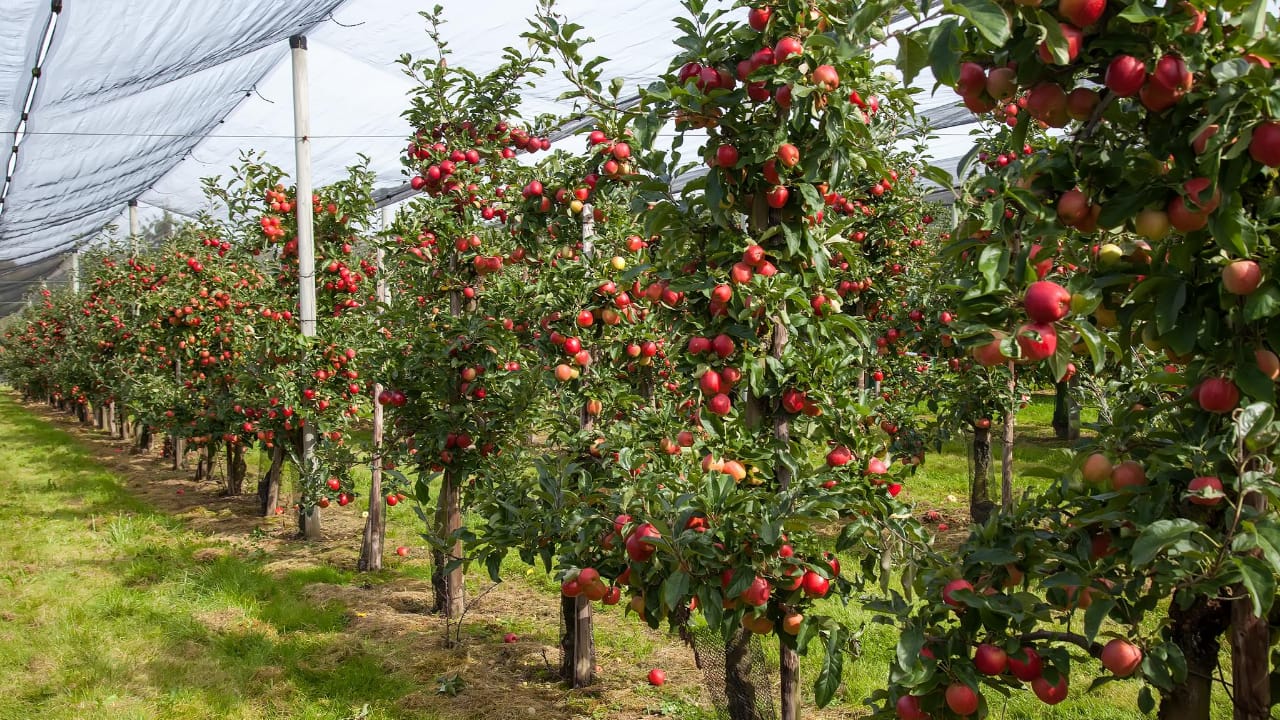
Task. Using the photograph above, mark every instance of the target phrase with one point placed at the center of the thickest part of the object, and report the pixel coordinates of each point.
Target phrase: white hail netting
(142, 99)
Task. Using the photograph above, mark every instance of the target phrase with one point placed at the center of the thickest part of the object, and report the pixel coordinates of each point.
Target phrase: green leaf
(1253, 23)
(913, 57)
(1094, 341)
(674, 588)
(1259, 580)
(1146, 700)
(824, 688)
(1254, 418)
(991, 265)
(1140, 13)
(1171, 301)
(1264, 303)
(990, 19)
(1267, 537)
(939, 176)
(1159, 535)
(909, 645)
(1053, 37)
(1231, 229)
(1095, 614)
(945, 51)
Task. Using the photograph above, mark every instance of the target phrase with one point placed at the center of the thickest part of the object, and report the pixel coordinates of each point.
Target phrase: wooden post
(310, 515)
(375, 526)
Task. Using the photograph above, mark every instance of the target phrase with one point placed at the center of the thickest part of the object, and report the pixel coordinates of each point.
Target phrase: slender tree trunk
(1250, 650)
(144, 437)
(236, 468)
(375, 526)
(308, 517)
(1196, 631)
(447, 581)
(980, 505)
(1006, 460)
(577, 645)
(1066, 412)
(269, 486)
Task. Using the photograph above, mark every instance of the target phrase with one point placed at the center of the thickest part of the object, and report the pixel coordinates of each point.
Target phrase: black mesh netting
(735, 673)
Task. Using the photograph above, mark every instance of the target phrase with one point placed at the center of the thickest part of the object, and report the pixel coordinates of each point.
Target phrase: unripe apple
(1097, 469)
(1152, 224)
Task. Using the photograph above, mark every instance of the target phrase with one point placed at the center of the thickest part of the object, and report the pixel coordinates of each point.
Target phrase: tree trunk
(1250, 650)
(144, 437)
(308, 517)
(269, 486)
(1006, 459)
(236, 468)
(1196, 631)
(375, 526)
(179, 445)
(577, 644)
(739, 687)
(980, 505)
(1066, 413)
(447, 581)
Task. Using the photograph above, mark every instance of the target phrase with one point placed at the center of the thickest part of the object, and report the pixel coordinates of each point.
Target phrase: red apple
(962, 699)
(973, 80)
(1125, 75)
(1241, 277)
(954, 585)
(1081, 103)
(908, 707)
(1050, 694)
(1047, 302)
(1171, 73)
(1082, 13)
(1074, 39)
(1026, 665)
(1217, 395)
(657, 677)
(1037, 341)
(758, 17)
(1205, 491)
(726, 156)
(1264, 146)
(1128, 474)
(1121, 657)
(990, 660)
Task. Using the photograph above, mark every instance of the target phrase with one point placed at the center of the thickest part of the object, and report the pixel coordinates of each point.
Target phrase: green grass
(113, 611)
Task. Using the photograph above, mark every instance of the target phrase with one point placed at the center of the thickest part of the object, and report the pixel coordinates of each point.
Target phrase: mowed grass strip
(110, 610)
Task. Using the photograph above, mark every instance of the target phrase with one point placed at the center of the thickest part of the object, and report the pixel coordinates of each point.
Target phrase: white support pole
(310, 516)
(302, 155)
(134, 227)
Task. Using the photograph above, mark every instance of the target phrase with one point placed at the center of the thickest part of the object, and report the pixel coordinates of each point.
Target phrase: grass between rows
(113, 609)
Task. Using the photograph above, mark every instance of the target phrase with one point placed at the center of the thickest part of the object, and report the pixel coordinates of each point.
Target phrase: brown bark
(1250, 650)
(375, 526)
(236, 468)
(1006, 458)
(1196, 631)
(269, 487)
(577, 644)
(980, 505)
(448, 582)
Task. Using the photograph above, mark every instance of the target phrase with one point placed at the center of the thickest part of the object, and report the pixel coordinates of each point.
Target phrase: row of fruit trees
(689, 359)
